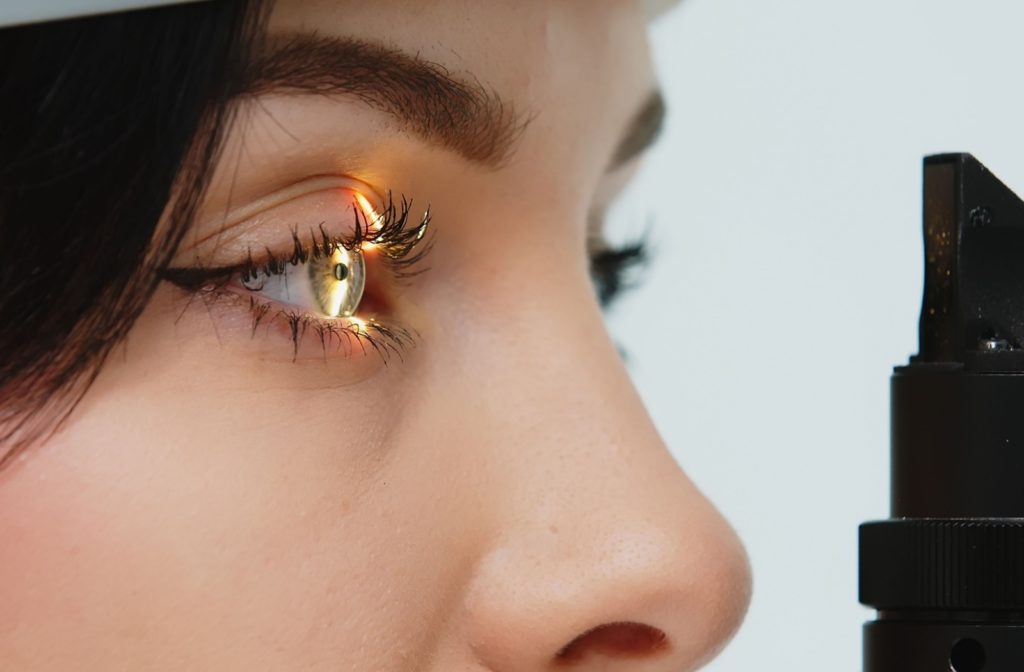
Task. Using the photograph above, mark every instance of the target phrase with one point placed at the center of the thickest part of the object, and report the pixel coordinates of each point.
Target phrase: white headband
(14, 12)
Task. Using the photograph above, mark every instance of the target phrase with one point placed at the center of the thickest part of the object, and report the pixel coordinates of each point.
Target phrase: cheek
(274, 538)
(65, 554)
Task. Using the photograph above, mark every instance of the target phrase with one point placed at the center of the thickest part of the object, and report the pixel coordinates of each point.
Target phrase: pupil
(340, 272)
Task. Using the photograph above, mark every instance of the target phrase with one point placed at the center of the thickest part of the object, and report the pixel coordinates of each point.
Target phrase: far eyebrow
(642, 132)
(423, 96)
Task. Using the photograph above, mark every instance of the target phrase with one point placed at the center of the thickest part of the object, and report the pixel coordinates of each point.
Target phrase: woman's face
(493, 496)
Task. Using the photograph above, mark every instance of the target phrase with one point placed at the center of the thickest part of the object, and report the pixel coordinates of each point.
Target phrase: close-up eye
(334, 285)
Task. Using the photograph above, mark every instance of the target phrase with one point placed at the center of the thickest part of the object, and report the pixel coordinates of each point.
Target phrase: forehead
(575, 68)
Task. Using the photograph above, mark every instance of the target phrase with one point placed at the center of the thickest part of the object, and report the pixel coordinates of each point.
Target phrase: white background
(786, 203)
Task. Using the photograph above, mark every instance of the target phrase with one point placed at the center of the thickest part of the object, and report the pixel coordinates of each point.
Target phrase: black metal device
(946, 571)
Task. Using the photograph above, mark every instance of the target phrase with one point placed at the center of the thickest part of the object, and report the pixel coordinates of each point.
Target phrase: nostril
(615, 640)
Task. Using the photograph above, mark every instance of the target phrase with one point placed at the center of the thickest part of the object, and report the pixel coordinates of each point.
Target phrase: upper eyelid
(402, 247)
(323, 215)
(224, 227)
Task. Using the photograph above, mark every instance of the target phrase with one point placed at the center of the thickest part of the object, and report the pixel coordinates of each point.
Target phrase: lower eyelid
(276, 331)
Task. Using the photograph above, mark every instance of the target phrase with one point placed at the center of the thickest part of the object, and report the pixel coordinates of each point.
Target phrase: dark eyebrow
(426, 99)
(642, 132)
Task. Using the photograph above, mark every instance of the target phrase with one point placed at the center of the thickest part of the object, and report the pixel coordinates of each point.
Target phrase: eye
(328, 283)
(334, 290)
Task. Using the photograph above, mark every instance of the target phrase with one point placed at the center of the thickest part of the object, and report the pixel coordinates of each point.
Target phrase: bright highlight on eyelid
(372, 216)
(367, 207)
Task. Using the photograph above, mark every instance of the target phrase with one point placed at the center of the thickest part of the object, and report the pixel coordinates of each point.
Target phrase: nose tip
(626, 600)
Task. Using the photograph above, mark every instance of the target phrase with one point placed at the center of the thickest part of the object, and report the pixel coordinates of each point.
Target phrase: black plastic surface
(946, 572)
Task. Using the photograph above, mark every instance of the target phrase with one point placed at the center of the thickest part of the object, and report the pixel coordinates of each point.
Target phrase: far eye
(330, 285)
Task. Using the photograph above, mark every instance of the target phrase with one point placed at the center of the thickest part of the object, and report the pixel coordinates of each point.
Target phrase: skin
(497, 500)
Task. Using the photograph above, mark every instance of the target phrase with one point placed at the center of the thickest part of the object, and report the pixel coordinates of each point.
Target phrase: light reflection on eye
(329, 285)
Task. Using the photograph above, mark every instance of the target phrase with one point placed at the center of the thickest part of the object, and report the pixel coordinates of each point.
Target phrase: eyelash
(614, 270)
(399, 246)
(391, 237)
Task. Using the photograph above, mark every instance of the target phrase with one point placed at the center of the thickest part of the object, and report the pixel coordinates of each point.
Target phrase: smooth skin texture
(499, 500)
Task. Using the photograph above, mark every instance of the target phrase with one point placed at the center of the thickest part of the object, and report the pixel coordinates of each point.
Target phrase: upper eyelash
(401, 248)
(612, 269)
(392, 235)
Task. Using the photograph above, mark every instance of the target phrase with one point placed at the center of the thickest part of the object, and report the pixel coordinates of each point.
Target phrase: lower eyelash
(387, 341)
(347, 335)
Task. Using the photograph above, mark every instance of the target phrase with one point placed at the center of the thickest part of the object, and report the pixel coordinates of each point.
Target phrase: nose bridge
(602, 549)
(565, 424)
(565, 364)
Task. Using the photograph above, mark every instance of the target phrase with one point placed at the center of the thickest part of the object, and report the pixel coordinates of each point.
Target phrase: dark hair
(108, 130)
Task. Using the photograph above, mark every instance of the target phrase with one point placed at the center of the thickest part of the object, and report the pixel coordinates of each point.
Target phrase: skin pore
(493, 496)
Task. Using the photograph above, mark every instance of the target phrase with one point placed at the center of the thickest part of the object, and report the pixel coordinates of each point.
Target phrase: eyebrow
(463, 116)
(642, 132)
(424, 97)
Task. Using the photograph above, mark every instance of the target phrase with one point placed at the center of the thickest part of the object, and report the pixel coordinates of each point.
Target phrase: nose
(604, 555)
(606, 591)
